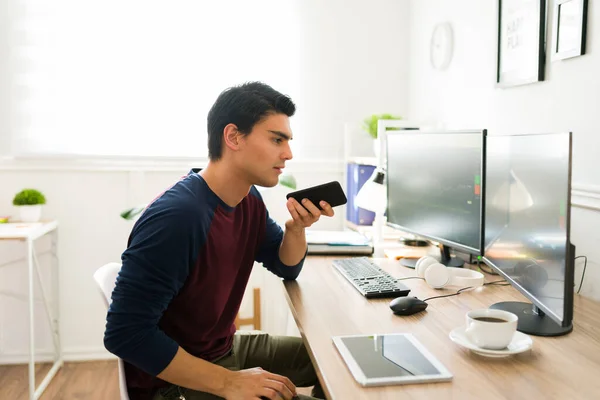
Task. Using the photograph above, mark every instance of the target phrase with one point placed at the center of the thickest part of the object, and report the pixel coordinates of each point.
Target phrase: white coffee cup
(491, 329)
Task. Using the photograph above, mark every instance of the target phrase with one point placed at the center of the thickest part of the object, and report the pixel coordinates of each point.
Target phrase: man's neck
(225, 182)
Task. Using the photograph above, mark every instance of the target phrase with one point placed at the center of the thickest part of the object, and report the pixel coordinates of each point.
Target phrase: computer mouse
(407, 305)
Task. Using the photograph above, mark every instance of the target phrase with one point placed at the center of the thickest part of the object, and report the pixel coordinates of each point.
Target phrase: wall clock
(441, 46)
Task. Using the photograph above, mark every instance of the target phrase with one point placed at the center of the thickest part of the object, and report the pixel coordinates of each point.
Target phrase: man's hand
(293, 246)
(305, 214)
(255, 383)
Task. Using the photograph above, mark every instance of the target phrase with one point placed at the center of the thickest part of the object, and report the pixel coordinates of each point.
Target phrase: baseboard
(10, 359)
(73, 354)
(90, 354)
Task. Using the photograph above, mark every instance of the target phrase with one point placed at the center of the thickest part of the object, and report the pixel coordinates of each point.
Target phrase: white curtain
(132, 77)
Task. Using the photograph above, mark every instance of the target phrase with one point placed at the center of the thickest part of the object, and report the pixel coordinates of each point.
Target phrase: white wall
(349, 73)
(4, 87)
(356, 55)
(464, 96)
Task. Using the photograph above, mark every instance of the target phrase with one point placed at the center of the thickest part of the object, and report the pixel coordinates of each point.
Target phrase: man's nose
(287, 154)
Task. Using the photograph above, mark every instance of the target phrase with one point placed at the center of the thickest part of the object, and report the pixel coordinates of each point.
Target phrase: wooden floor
(92, 380)
(97, 380)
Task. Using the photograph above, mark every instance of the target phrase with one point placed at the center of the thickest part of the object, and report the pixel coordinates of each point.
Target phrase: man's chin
(271, 184)
(268, 183)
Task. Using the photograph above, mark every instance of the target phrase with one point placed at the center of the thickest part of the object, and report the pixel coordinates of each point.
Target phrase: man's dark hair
(244, 106)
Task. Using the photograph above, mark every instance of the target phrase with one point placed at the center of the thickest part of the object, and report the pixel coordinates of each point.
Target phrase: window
(138, 77)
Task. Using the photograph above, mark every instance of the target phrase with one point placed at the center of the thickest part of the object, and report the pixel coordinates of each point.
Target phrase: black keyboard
(370, 280)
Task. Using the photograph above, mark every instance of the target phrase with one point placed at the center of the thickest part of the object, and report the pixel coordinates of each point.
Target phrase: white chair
(106, 278)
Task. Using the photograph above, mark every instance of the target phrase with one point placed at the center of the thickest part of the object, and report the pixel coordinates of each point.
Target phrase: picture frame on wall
(569, 27)
(521, 39)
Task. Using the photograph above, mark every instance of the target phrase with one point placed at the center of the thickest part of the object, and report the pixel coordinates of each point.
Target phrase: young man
(189, 258)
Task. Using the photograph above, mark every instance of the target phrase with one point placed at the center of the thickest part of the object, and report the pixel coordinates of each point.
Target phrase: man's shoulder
(184, 202)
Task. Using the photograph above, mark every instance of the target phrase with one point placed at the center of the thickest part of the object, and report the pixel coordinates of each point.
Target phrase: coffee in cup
(491, 329)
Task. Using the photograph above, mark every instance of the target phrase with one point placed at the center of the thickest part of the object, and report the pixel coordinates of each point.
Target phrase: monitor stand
(446, 259)
(532, 320)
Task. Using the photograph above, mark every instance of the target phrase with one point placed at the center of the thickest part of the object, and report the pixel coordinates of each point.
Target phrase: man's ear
(232, 137)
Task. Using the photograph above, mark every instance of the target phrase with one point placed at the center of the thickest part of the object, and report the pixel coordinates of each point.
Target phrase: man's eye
(278, 140)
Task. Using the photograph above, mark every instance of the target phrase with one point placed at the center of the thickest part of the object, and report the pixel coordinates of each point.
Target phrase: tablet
(389, 359)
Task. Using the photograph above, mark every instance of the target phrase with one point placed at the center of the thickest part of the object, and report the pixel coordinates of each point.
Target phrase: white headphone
(438, 275)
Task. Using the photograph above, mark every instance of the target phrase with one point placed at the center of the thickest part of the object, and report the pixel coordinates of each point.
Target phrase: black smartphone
(330, 192)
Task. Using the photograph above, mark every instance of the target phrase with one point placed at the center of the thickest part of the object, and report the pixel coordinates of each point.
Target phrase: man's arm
(284, 253)
(195, 373)
(163, 246)
(191, 372)
(293, 246)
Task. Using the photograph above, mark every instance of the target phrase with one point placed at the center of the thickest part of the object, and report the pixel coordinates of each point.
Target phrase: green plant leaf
(288, 180)
(370, 123)
(131, 214)
(29, 197)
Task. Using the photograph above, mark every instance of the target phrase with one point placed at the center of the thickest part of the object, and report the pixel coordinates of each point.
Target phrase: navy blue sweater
(184, 273)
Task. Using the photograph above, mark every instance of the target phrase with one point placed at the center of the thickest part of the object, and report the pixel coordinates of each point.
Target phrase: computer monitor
(435, 186)
(528, 201)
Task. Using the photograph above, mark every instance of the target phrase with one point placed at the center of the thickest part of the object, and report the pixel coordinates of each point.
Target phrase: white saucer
(520, 343)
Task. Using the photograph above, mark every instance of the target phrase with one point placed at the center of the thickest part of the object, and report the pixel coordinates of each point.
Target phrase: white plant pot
(30, 213)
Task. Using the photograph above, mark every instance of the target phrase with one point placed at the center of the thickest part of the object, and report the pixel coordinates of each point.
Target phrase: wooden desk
(324, 304)
(29, 233)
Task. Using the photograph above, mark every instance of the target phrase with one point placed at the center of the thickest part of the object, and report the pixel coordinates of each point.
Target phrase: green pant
(282, 355)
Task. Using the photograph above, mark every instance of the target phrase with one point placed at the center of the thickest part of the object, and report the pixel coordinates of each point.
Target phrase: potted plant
(29, 203)
(370, 126)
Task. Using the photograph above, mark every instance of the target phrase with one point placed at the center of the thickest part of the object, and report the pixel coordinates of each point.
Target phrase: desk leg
(52, 311)
(31, 318)
(56, 294)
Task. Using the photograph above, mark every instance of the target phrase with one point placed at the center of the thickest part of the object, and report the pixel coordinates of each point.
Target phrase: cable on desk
(489, 271)
(583, 273)
(449, 295)
(499, 283)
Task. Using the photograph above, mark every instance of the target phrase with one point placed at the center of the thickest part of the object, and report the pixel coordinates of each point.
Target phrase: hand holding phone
(330, 192)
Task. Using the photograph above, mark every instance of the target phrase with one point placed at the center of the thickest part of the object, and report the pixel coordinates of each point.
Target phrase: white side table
(30, 232)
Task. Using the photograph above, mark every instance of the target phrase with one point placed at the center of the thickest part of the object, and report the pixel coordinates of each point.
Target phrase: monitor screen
(435, 186)
(527, 218)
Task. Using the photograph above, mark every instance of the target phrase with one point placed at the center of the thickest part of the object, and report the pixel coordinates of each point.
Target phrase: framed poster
(569, 28)
(521, 34)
